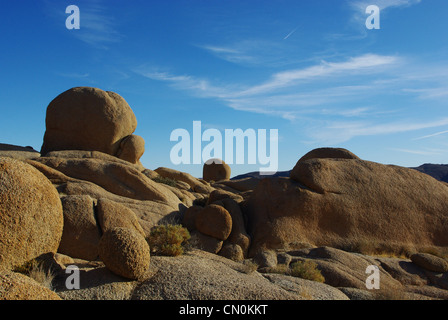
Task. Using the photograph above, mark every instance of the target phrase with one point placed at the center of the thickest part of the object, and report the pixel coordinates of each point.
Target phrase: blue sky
(310, 69)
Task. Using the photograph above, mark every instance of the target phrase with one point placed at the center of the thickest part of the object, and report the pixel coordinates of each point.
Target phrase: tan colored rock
(17, 152)
(81, 233)
(206, 243)
(55, 176)
(341, 202)
(198, 275)
(116, 215)
(85, 118)
(31, 219)
(311, 290)
(214, 221)
(216, 170)
(177, 175)
(16, 286)
(430, 262)
(232, 251)
(118, 178)
(189, 218)
(125, 253)
(195, 184)
(345, 269)
(238, 235)
(84, 154)
(97, 283)
(329, 153)
(149, 213)
(217, 195)
(242, 185)
(131, 148)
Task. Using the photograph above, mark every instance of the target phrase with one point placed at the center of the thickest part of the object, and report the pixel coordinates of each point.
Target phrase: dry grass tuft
(36, 271)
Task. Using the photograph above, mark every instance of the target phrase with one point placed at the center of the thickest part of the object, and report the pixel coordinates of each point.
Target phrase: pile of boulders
(87, 196)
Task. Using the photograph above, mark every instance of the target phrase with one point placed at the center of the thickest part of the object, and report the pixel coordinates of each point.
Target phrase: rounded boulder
(216, 170)
(214, 221)
(125, 252)
(85, 118)
(31, 218)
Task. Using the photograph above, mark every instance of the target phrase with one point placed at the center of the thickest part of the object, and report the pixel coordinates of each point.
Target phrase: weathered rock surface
(214, 221)
(310, 290)
(216, 170)
(340, 202)
(430, 262)
(85, 118)
(31, 220)
(18, 152)
(81, 235)
(116, 215)
(16, 286)
(125, 252)
(329, 153)
(210, 277)
(118, 178)
(197, 185)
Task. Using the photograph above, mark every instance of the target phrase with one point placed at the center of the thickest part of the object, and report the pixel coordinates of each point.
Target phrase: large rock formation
(344, 202)
(85, 118)
(31, 220)
(216, 170)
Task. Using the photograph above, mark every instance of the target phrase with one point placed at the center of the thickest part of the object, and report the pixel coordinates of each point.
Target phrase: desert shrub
(168, 240)
(249, 266)
(36, 271)
(280, 269)
(165, 180)
(306, 270)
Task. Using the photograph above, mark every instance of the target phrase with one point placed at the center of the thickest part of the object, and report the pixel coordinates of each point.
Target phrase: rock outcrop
(31, 219)
(88, 197)
(85, 118)
(341, 202)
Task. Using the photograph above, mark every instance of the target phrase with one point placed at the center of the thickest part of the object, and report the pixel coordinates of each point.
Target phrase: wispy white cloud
(419, 152)
(338, 132)
(361, 5)
(98, 25)
(358, 17)
(365, 63)
(334, 98)
(199, 87)
(432, 135)
(430, 93)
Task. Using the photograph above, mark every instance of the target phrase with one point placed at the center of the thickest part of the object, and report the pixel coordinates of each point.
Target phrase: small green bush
(164, 180)
(306, 270)
(167, 240)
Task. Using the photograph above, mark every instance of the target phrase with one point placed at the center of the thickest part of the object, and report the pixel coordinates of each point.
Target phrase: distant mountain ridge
(437, 171)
